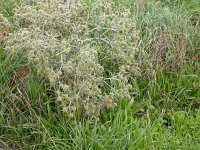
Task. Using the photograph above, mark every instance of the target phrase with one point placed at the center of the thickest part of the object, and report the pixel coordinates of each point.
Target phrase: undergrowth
(163, 109)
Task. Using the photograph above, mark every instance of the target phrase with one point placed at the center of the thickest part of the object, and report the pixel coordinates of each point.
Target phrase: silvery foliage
(86, 52)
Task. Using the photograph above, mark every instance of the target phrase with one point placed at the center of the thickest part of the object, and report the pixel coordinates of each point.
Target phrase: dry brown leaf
(19, 74)
(3, 34)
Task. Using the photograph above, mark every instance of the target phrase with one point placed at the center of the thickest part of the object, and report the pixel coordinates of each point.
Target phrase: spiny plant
(88, 53)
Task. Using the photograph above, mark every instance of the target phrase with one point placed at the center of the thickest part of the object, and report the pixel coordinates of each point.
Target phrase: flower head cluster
(86, 52)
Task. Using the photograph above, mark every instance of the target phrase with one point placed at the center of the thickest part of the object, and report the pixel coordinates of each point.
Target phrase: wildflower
(86, 52)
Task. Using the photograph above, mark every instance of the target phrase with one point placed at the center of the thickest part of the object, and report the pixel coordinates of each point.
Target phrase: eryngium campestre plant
(86, 52)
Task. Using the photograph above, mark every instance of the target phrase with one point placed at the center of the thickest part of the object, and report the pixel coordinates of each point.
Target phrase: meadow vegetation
(121, 74)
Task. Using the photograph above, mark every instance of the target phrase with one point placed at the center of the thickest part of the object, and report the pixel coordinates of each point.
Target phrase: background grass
(163, 114)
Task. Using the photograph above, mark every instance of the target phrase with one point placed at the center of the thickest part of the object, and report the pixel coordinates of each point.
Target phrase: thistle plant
(86, 52)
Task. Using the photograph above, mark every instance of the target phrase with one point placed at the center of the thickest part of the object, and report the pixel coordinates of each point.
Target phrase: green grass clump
(163, 111)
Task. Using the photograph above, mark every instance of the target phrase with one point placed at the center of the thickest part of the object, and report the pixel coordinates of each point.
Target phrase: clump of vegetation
(4, 23)
(4, 27)
(86, 52)
(164, 109)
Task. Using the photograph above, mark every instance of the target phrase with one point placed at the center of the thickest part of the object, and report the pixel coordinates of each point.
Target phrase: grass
(163, 114)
